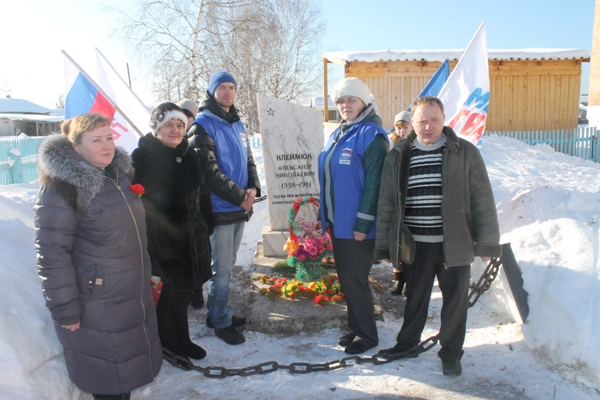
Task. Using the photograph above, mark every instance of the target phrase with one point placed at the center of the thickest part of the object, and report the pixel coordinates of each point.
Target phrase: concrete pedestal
(273, 242)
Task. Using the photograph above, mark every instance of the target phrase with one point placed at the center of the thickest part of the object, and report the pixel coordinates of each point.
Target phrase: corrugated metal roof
(342, 57)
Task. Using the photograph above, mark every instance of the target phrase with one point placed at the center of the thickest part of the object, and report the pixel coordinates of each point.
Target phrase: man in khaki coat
(436, 212)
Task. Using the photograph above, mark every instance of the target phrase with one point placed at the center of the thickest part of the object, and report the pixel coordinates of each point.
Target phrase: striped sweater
(423, 214)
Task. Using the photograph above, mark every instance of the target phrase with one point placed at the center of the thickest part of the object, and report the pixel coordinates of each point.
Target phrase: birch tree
(172, 31)
(4, 90)
(277, 54)
(269, 46)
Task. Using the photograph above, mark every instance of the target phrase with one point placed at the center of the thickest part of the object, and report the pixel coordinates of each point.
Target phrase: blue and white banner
(437, 81)
(466, 94)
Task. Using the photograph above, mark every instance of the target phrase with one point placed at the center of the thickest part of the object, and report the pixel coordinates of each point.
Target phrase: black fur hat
(163, 113)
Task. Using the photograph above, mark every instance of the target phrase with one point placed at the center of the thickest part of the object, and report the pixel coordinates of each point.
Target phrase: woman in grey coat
(93, 262)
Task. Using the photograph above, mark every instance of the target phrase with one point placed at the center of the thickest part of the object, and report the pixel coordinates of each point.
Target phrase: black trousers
(172, 317)
(454, 284)
(353, 262)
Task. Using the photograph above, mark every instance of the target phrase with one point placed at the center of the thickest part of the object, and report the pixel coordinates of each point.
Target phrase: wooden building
(530, 89)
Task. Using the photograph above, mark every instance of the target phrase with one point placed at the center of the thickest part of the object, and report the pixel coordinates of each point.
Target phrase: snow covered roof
(342, 57)
(317, 102)
(31, 117)
(18, 106)
(58, 112)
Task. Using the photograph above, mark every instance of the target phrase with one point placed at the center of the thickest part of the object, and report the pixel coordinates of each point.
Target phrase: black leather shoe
(359, 346)
(346, 339)
(230, 335)
(452, 367)
(235, 322)
(192, 350)
(394, 351)
(197, 301)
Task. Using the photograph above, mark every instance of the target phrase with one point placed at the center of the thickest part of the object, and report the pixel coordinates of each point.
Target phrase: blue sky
(32, 66)
(451, 24)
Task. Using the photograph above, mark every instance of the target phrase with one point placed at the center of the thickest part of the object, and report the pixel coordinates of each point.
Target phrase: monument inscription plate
(291, 138)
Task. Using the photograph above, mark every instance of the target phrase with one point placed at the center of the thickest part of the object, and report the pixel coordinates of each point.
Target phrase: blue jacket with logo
(349, 174)
(227, 162)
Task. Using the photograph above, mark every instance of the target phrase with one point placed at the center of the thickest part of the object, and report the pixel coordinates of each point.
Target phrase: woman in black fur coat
(179, 220)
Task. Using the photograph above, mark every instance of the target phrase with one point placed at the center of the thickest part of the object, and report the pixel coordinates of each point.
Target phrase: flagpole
(460, 60)
(116, 73)
(112, 103)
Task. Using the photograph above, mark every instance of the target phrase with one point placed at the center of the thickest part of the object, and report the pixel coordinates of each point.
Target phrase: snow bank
(549, 210)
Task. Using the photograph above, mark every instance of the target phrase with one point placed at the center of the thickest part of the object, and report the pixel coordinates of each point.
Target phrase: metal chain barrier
(259, 199)
(484, 283)
(383, 357)
(299, 367)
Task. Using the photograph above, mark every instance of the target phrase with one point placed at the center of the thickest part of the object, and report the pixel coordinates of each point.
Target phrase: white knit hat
(351, 87)
(402, 116)
(164, 112)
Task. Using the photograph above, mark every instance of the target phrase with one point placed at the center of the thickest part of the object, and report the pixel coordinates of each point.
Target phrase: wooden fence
(580, 142)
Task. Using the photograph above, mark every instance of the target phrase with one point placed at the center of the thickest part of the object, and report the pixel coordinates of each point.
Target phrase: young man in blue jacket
(219, 138)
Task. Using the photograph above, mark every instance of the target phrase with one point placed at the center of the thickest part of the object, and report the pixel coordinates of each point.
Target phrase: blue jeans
(225, 242)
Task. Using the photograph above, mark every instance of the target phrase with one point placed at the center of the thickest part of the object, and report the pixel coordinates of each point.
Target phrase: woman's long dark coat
(178, 213)
(90, 240)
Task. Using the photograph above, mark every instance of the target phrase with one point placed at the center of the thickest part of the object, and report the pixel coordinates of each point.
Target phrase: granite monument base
(273, 242)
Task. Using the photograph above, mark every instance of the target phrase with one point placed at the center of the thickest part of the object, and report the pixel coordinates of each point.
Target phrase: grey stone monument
(291, 138)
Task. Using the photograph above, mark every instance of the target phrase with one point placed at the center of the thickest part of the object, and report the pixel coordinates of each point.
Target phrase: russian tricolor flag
(82, 95)
(105, 93)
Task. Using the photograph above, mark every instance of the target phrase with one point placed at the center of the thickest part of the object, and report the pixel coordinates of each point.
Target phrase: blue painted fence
(254, 141)
(18, 159)
(579, 142)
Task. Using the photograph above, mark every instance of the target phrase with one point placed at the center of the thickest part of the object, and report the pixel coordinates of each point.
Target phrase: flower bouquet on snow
(326, 291)
(307, 245)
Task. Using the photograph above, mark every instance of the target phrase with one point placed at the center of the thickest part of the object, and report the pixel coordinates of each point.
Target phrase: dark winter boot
(197, 301)
(182, 330)
(398, 283)
(166, 322)
(124, 396)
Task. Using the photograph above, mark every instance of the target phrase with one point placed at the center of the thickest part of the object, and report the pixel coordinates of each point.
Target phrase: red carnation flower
(137, 189)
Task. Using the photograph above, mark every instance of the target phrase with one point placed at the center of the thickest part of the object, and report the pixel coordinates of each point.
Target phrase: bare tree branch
(270, 46)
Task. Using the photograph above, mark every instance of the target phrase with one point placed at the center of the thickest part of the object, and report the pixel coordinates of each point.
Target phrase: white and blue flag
(466, 94)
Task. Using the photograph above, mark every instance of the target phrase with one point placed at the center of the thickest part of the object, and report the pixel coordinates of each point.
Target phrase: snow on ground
(549, 210)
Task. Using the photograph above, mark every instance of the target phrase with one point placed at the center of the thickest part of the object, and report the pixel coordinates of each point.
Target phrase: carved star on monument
(270, 111)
